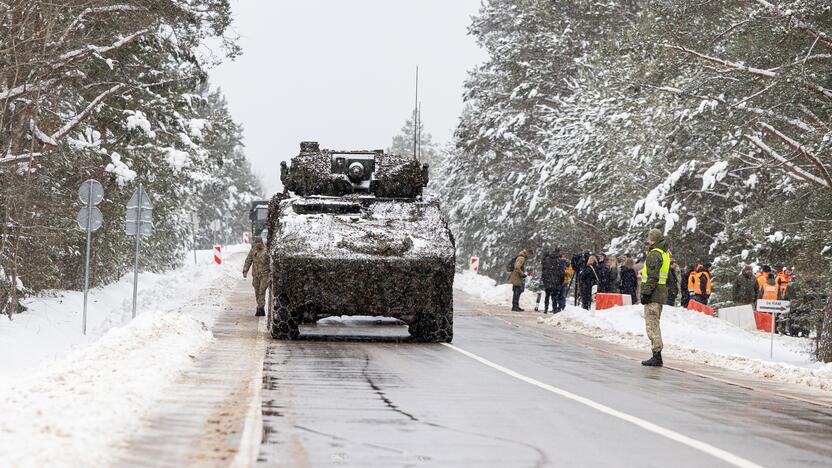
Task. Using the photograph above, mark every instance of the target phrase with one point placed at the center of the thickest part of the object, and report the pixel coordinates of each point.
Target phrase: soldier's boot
(655, 361)
(261, 312)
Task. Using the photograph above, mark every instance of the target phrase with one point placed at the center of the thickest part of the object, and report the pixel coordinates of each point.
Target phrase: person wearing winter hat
(654, 291)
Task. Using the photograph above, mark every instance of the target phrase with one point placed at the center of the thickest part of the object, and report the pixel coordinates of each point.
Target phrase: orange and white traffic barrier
(610, 300)
(699, 307)
(218, 254)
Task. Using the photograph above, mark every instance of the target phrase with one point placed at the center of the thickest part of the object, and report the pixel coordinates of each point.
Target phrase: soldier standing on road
(258, 259)
(654, 292)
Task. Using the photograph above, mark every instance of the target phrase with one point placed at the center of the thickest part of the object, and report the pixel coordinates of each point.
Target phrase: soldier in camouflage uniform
(258, 258)
(654, 291)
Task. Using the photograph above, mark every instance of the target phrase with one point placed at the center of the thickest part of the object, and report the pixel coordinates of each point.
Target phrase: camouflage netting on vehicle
(396, 176)
(363, 256)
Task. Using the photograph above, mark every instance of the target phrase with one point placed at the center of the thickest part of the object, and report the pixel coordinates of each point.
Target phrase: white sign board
(773, 307)
(475, 264)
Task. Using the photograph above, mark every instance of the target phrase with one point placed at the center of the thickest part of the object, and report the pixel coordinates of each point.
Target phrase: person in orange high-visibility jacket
(699, 284)
(771, 291)
(784, 280)
(762, 276)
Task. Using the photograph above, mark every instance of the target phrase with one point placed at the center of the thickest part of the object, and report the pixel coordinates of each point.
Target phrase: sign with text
(773, 307)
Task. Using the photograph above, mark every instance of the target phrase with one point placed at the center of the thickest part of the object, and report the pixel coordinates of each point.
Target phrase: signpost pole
(193, 233)
(138, 240)
(773, 325)
(87, 263)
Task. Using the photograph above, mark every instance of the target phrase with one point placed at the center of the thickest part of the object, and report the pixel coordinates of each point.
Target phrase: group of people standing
(749, 287)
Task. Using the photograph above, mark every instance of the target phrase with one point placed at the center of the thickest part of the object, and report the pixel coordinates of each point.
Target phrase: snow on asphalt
(70, 400)
(687, 335)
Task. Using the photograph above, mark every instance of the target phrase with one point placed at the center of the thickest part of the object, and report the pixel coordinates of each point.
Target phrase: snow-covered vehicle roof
(358, 227)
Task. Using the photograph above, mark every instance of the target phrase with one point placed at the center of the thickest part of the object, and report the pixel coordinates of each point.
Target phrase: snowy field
(70, 399)
(687, 335)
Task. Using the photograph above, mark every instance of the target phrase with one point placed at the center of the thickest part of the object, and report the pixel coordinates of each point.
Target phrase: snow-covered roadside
(490, 292)
(69, 400)
(687, 335)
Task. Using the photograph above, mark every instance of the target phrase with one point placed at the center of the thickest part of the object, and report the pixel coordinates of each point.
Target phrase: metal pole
(87, 270)
(138, 240)
(415, 115)
(773, 324)
(193, 234)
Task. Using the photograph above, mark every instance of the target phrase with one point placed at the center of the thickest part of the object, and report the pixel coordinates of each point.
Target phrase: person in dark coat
(746, 289)
(588, 278)
(684, 286)
(603, 273)
(629, 279)
(553, 269)
(613, 279)
(673, 284)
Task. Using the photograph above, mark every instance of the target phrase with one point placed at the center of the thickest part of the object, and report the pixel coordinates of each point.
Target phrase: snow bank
(70, 399)
(696, 337)
(74, 411)
(487, 290)
(687, 336)
(52, 324)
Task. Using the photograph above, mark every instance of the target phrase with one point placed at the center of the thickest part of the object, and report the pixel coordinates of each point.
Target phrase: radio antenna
(416, 118)
(419, 131)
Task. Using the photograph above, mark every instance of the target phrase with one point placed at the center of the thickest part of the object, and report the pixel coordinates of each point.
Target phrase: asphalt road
(356, 394)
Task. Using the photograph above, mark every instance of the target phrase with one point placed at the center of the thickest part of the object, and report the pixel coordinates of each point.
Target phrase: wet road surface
(360, 395)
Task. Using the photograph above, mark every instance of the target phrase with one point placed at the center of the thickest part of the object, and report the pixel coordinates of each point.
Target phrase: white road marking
(715, 452)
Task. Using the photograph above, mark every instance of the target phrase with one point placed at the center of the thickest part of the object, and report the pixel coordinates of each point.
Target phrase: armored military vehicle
(259, 215)
(353, 235)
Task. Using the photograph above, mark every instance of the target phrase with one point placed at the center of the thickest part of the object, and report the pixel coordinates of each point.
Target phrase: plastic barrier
(740, 316)
(609, 300)
(763, 321)
(699, 307)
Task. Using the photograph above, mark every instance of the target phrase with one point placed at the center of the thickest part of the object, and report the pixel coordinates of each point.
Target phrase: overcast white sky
(342, 72)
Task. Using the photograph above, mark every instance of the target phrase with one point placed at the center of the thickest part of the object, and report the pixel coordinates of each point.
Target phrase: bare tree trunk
(825, 338)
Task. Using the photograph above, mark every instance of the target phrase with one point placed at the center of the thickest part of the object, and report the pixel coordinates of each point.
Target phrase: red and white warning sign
(246, 238)
(475, 264)
(218, 254)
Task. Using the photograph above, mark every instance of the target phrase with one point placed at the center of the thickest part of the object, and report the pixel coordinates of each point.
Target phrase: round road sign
(97, 192)
(95, 220)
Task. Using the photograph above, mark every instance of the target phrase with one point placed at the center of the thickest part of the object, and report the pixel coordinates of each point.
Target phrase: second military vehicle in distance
(353, 235)
(259, 216)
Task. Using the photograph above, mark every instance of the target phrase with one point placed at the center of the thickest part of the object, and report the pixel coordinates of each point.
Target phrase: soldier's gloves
(645, 298)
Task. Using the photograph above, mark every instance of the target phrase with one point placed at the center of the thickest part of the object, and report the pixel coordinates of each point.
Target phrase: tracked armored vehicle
(352, 235)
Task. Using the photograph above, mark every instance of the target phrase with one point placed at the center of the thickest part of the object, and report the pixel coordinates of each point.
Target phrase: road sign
(139, 220)
(138, 223)
(246, 238)
(773, 307)
(89, 219)
(91, 190)
(146, 229)
(146, 202)
(95, 219)
(195, 221)
(215, 225)
(475, 264)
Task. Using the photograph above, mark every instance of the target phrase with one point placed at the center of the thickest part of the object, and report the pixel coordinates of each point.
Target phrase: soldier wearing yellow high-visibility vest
(654, 291)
